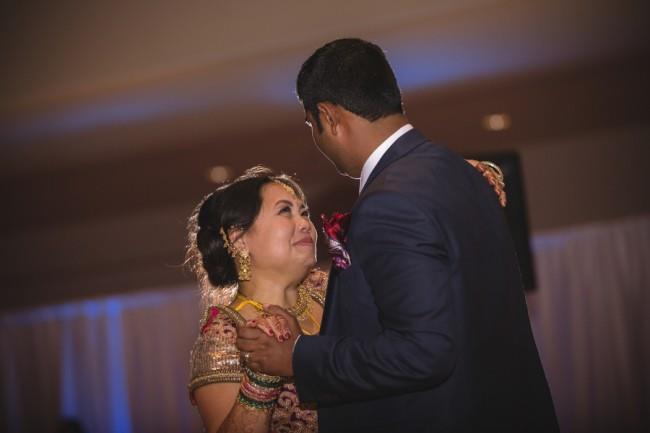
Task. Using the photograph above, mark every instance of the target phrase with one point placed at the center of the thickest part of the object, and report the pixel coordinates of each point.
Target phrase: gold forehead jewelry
(286, 187)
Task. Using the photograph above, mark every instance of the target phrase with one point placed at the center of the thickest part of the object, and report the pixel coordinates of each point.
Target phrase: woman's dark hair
(352, 73)
(232, 205)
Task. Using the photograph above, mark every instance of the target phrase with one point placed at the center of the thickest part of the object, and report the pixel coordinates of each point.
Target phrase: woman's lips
(305, 241)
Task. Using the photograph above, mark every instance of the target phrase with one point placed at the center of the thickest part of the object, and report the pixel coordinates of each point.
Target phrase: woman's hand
(272, 325)
(494, 176)
(266, 354)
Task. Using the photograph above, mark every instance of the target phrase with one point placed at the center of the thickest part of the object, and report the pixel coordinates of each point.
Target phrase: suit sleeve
(402, 255)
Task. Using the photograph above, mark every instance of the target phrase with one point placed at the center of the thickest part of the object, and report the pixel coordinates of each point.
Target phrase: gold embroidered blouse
(216, 359)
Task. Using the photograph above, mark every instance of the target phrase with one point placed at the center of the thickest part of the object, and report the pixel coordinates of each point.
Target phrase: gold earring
(242, 257)
(244, 261)
(226, 242)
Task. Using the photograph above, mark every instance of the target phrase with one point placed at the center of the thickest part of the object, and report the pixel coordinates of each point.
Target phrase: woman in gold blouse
(251, 243)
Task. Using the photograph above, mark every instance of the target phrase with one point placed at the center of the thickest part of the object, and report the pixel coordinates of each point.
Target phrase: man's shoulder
(425, 168)
(431, 177)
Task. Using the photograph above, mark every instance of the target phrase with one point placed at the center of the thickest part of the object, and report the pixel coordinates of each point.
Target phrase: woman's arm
(226, 406)
(221, 412)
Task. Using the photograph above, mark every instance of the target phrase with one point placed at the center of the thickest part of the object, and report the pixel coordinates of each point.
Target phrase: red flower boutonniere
(335, 229)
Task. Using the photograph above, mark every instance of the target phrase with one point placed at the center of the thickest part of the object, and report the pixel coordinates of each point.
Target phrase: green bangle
(263, 380)
(255, 404)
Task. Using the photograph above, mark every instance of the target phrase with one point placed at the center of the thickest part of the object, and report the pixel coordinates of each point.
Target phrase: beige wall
(568, 182)
(600, 176)
(118, 224)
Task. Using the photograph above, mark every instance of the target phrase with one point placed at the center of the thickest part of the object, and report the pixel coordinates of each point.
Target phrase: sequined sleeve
(214, 357)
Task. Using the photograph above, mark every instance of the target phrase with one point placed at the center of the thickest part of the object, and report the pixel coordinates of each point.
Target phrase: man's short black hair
(352, 73)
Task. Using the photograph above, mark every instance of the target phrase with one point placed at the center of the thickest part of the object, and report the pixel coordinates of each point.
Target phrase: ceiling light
(496, 122)
(219, 173)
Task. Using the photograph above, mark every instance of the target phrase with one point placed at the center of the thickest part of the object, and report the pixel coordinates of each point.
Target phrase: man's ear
(330, 116)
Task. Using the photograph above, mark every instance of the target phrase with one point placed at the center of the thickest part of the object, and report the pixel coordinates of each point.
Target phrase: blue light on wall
(119, 397)
(418, 64)
(103, 337)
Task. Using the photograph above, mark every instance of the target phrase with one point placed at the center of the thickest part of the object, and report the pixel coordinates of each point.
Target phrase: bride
(251, 243)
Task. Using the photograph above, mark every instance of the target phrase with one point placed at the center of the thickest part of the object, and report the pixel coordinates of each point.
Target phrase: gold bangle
(495, 168)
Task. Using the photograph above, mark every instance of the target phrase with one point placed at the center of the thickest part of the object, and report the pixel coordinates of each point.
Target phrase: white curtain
(591, 317)
(120, 364)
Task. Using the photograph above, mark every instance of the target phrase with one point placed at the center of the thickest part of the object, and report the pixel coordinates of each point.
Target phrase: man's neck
(372, 134)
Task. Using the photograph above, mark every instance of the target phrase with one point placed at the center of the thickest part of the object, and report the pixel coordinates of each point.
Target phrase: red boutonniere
(335, 229)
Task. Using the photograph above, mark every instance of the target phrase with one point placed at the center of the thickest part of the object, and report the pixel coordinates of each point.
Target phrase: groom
(426, 330)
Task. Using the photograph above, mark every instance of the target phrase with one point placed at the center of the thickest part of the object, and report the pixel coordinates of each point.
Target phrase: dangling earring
(244, 261)
(242, 257)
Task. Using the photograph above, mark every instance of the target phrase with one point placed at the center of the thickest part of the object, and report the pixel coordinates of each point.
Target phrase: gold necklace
(299, 310)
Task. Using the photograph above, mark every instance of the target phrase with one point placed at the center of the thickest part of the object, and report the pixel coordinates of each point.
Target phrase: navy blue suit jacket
(427, 330)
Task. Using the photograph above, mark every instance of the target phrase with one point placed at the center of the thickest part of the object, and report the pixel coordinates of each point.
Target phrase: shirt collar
(376, 155)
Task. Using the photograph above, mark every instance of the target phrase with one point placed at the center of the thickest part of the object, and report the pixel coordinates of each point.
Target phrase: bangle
(259, 391)
(251, 403)
(263, 380)
(294, 344)
(498, 173)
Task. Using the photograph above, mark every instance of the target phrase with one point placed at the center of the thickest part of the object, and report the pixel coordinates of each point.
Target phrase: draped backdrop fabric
(120, 364)
(591, 319)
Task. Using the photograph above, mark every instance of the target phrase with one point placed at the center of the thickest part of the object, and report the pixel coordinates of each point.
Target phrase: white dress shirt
(376, 155)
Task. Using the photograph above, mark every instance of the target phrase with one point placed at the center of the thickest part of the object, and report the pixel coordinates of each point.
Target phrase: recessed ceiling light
(496, 122)
(219, 173)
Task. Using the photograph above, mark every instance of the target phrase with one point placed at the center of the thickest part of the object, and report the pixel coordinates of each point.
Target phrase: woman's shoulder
(220, 319)
(215, 357)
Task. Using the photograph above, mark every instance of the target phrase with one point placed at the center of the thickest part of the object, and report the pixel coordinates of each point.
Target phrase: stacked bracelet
(496, 170)
(259, 391)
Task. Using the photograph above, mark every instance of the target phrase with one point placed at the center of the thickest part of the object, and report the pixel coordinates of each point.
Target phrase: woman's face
(282, 239)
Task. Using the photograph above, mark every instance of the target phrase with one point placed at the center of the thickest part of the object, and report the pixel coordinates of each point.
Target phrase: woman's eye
(286, 209)
(305, 213)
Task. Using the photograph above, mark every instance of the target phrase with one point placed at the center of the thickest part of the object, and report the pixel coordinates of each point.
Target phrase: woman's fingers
(283, 327)
(279, 328)
(273, 326)
(494, 178)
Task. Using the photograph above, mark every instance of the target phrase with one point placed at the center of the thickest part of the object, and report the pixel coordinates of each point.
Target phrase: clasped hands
(267, 341)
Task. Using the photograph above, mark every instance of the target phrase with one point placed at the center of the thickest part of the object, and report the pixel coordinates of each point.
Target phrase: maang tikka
(241, 256)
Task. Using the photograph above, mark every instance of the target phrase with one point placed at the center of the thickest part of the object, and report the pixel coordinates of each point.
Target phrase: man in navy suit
(427, 329)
